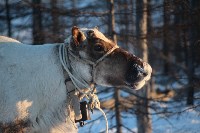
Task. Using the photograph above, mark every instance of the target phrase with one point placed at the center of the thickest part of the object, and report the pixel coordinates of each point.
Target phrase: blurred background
(165, 33)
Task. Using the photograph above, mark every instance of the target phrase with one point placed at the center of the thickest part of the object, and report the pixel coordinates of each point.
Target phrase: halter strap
(64, 50)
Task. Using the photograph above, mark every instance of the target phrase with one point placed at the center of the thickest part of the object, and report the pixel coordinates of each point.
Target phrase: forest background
(165, 33)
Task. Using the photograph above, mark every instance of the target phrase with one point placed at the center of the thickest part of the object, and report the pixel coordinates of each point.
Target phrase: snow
(187, 122)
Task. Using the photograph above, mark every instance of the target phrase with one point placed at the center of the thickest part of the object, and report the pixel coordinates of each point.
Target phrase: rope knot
(94, 102)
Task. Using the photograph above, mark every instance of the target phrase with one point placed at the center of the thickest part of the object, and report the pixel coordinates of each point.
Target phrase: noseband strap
(93, 64)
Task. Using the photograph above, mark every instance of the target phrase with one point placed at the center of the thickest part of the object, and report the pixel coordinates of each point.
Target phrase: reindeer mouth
(133, 86)
(136, 85)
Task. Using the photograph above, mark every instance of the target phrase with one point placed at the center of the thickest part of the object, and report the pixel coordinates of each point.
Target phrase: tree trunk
(178, 41)
(143, 117)
(55, 21)
(166, 39)
(74, 19)
(8, 18)
(38, 36)
(112, 23)
(144, 124)
(194, 37)
(126, 20)
(117, 91)
(117, 110)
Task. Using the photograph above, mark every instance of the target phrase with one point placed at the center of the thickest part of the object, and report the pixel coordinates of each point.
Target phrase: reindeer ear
(78, 36)
(96, 27)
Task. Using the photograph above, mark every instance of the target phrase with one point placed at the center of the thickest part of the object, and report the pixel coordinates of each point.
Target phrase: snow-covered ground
(183, 119)
(187, 122)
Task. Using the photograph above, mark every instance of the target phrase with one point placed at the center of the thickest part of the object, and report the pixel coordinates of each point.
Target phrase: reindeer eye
(98, 48)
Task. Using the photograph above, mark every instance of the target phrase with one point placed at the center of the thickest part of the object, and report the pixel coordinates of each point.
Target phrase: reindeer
(37, 82)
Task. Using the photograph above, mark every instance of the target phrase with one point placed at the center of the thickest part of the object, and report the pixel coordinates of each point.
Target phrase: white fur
(32, 87)
(148, 69)
(8, 39)
(97, 33)
(101, 35)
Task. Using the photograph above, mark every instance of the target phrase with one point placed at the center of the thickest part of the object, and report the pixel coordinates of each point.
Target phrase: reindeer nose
(140, 70)
(90, 33)
(135, 72)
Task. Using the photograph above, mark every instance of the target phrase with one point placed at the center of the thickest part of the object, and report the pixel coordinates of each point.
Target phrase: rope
(65, 63)
(104, 115)
(95, 103)
(64, 51)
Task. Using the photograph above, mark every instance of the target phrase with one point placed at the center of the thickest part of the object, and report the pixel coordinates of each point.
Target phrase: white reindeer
(33, 94)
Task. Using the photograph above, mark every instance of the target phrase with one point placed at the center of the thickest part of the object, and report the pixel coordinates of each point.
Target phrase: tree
(143, 117)
(55, 21)
(117, 91)
(8, 17)
(193, 36)
(37, 31)
(166, 39)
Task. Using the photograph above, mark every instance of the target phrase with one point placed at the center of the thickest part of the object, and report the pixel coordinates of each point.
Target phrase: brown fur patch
(15, 127)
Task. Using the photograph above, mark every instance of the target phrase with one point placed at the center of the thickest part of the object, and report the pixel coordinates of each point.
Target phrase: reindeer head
(113, 66)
